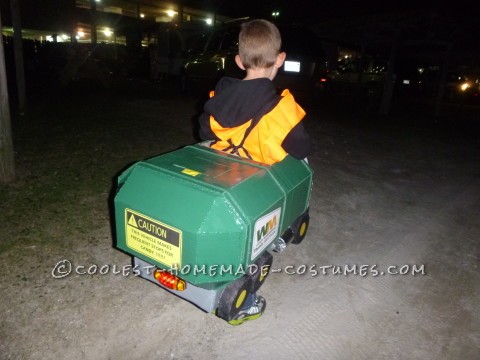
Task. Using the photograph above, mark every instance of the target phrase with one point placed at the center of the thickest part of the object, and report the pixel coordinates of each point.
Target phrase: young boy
(248, 118)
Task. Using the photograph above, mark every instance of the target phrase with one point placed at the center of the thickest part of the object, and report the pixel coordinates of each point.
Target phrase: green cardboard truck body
(208, 217)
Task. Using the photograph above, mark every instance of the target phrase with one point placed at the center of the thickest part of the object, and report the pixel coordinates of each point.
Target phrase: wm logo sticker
(269, 226)
(265, 231)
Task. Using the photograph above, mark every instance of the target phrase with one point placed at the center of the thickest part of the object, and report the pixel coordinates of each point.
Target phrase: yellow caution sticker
(154, 239)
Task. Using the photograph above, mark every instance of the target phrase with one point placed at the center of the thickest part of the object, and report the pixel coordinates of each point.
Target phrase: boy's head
(259, 45)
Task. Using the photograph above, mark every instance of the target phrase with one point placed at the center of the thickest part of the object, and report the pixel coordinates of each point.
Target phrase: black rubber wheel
(260, 272)
(233, 297)
(301, 230)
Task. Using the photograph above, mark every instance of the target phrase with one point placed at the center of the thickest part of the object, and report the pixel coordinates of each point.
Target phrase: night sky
(314, 10)
(458, 20)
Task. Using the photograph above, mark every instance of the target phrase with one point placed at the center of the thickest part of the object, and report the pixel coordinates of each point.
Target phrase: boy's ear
(239, 62)
(280, 59)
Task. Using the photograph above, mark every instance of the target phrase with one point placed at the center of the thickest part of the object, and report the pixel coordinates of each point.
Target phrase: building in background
(74, 39)
(126, 22)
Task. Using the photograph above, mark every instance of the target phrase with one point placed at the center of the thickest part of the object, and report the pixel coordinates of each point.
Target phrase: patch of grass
(67, 158)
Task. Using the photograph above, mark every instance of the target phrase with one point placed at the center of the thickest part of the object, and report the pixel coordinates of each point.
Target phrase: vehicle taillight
(169, 280)
(323, 80)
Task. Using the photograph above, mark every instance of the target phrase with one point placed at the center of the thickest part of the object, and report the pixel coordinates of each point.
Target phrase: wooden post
(18, 50)
(7, 163)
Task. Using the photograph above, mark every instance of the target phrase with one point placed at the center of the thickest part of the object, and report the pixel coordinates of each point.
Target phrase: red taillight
(169, 280)
(323, 80)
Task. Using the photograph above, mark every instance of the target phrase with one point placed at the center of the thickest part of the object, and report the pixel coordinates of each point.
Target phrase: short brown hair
(259, 44)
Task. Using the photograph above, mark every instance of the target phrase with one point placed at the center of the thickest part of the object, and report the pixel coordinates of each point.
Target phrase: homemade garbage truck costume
(202, 223)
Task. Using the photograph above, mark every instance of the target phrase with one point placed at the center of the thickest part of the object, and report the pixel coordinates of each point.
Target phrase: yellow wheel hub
(303, 228)
(241, 298)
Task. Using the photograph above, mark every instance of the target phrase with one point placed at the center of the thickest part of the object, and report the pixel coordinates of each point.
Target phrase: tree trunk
(390, 79)
(19, 63)
(443, 81)
(93, 26)
(7, 164)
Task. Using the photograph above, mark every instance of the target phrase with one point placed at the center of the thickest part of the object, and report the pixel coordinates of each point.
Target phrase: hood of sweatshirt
(237, 101)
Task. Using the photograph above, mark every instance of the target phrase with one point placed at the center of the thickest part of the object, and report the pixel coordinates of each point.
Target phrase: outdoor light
(171, 13)
(208, 21)
(107, 32)
(142, 15)
(465, 86)
(80, 34)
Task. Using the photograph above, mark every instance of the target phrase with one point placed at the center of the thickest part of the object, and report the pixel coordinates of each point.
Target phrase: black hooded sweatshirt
(237, 101)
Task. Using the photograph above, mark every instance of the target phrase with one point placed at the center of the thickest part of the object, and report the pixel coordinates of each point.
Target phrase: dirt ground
(400, 194)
